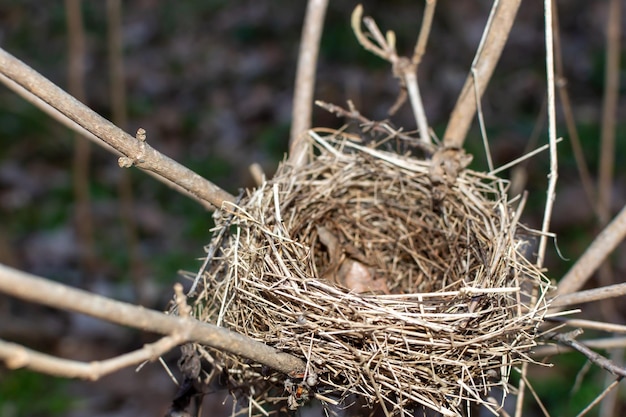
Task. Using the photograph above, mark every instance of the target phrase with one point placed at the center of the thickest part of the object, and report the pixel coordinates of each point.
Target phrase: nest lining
(387, 293)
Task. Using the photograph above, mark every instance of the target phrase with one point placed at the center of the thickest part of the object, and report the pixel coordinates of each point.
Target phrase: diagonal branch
(496, 33)
(595, 254)
(42, 291)
(138, 152)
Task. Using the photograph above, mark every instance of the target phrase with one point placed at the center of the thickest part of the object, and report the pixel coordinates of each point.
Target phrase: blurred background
(211, 82)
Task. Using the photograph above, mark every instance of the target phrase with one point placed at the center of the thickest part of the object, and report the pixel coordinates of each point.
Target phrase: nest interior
(391, 292)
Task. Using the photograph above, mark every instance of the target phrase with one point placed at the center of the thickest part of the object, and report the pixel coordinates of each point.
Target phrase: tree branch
(17, 356)
(139, 153)
(42, 291)
(305, 80)
(588, 296)
(496, 33)
(595, 254)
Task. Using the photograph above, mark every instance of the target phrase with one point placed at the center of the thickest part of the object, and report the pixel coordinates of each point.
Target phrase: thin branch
(17, 356)
(138, 152)
(305, 80)
(603, 343)
(596, 294)
(403, 68)
(590, 324)
(595, 254)
(568, 339)
(494, 37)
(554, 166)
(609, 110)
(42, 291)
(600, 397)
(422, 40)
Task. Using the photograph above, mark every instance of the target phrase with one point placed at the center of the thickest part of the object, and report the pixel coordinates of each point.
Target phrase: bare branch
(305, 80)
(595, 254)
(41, 291)
(140, 153)
(494, 37)
(568, 339)
(427, 21)
(17, 356)
(403, 68)
(596, 294)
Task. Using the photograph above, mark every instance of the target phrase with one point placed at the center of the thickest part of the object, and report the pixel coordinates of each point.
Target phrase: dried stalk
(305, 80)
(42, 291)
(494, 37)
(137, 152)
(403, 68)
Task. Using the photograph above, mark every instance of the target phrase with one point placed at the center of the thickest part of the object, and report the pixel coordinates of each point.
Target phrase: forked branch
(403, 68)
(182, 329)
(136, 152)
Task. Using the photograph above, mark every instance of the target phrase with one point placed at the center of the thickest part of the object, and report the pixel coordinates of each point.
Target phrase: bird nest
(398, 290)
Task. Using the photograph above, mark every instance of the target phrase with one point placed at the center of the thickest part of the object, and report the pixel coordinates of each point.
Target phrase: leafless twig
(139, 153)
(494, 37)
(183, 329)
(18, 356)
(404, 68)
(569, 339)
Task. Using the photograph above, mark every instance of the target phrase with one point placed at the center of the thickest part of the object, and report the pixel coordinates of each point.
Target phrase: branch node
(125, 162)
(141, 134)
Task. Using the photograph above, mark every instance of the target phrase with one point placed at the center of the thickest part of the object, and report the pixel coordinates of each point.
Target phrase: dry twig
(42, 291)
(595, 254)
(136, 152)
(403, 68)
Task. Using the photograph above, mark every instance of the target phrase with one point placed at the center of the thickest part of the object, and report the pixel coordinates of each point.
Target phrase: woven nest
(397, 292)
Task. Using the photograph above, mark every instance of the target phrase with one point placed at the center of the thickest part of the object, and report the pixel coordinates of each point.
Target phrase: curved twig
(140, 153)
(42, 291)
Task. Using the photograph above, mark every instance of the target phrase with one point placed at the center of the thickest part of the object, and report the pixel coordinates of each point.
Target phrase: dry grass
(395, 295)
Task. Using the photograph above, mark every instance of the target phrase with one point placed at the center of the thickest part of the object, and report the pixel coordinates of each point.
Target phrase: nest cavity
(397, 290)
